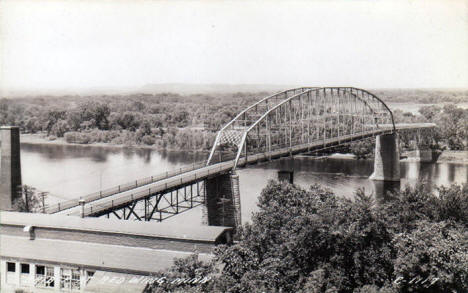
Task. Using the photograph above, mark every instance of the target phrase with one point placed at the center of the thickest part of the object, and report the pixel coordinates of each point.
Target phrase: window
(50, 278)
(65, 277)
(11, 267)
(40, 270)
(70, 279)
(89, 276)
(75, 280)
(44, 276)
(25, 276)
(11, 273)
(25, 268)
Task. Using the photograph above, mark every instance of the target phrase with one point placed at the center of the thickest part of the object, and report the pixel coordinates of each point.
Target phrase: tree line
(314, 241)
(451, 131)
(422, 96)
(165, 120)
(190, 122)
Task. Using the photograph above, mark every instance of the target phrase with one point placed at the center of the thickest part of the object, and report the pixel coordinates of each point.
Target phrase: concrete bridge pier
(222, 201)
(10, 166)
(423, 154)
(387, 158)
(382, 188)
(286, 175)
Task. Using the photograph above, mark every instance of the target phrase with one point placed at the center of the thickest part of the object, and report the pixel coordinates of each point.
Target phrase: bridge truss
(152, 205)
(301, 116)
(289, 122)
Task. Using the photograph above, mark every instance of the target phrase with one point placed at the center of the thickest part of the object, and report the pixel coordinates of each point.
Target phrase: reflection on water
(73, 171)
(344, 177)
(101, 154)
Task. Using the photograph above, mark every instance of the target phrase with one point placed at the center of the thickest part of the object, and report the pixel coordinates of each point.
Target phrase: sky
(128, 44)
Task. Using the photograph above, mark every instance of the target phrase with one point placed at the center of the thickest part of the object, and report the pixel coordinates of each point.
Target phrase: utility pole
(43, 195)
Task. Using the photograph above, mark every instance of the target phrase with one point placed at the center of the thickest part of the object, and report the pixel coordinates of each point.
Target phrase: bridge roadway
(101, 204)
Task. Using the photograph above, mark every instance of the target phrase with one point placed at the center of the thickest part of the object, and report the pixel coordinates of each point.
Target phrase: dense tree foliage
(451, 131)
(314, 241)
(362, 149)
(157, 119)
(422, 96)
(452, 124)
(164, 120)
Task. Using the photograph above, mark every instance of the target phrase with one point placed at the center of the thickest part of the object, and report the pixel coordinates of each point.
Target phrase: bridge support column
(387, 158)
(381, 189)
(286, 175)
(423, 155)
(222, 201)
(10, 166)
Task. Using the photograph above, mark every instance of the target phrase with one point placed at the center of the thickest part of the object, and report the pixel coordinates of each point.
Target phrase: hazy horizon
(184, 89)
(85, 46)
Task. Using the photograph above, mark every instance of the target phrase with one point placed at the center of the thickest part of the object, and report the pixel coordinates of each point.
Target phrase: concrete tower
(10, 166)
(387, 158)
(222, 201)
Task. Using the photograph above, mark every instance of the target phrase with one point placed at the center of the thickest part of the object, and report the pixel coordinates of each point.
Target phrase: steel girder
(301, 115)
(157, 206)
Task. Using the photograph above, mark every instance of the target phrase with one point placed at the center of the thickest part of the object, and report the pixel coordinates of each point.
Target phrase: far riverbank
(454, 157)
(42, 139)
(447, 156)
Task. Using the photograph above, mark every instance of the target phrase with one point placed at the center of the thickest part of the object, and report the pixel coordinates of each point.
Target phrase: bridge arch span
(302, 116)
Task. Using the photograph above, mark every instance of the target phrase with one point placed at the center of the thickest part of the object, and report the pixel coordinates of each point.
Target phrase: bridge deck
(110, 202)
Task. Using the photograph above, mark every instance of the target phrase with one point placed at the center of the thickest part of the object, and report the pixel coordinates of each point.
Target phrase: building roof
(91, 255)
(187, 231)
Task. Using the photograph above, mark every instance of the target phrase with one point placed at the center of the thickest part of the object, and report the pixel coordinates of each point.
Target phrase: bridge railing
(94, 208)
(318, 145)
(121, 188)
(223, 157)
(211, 169)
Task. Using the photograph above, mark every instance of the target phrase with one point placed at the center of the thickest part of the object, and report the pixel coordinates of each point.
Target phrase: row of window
(45, 276)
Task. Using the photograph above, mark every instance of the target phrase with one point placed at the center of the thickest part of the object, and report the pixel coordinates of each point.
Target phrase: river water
(69, 171)
(414, 107)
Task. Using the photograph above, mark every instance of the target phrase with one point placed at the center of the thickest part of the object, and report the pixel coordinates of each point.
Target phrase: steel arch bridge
(302, 116)
(291, 122)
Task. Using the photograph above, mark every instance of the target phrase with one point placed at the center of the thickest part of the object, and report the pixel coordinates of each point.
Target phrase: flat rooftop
(102, 244)
(104, 225)
(91, 255)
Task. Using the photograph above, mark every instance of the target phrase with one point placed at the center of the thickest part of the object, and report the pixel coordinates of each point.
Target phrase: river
(70, 171)
(414, 107)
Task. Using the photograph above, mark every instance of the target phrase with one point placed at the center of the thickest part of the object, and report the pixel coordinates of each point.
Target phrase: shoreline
(60, 141)
(447, 156)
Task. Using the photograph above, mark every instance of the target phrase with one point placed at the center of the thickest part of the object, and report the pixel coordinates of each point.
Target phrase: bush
(77, 137)
(148, 140)
(118, 140)
(30, 200)
(435, 252)
(452, 204)
(314, 241)
(362, 149)
(60, 128)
